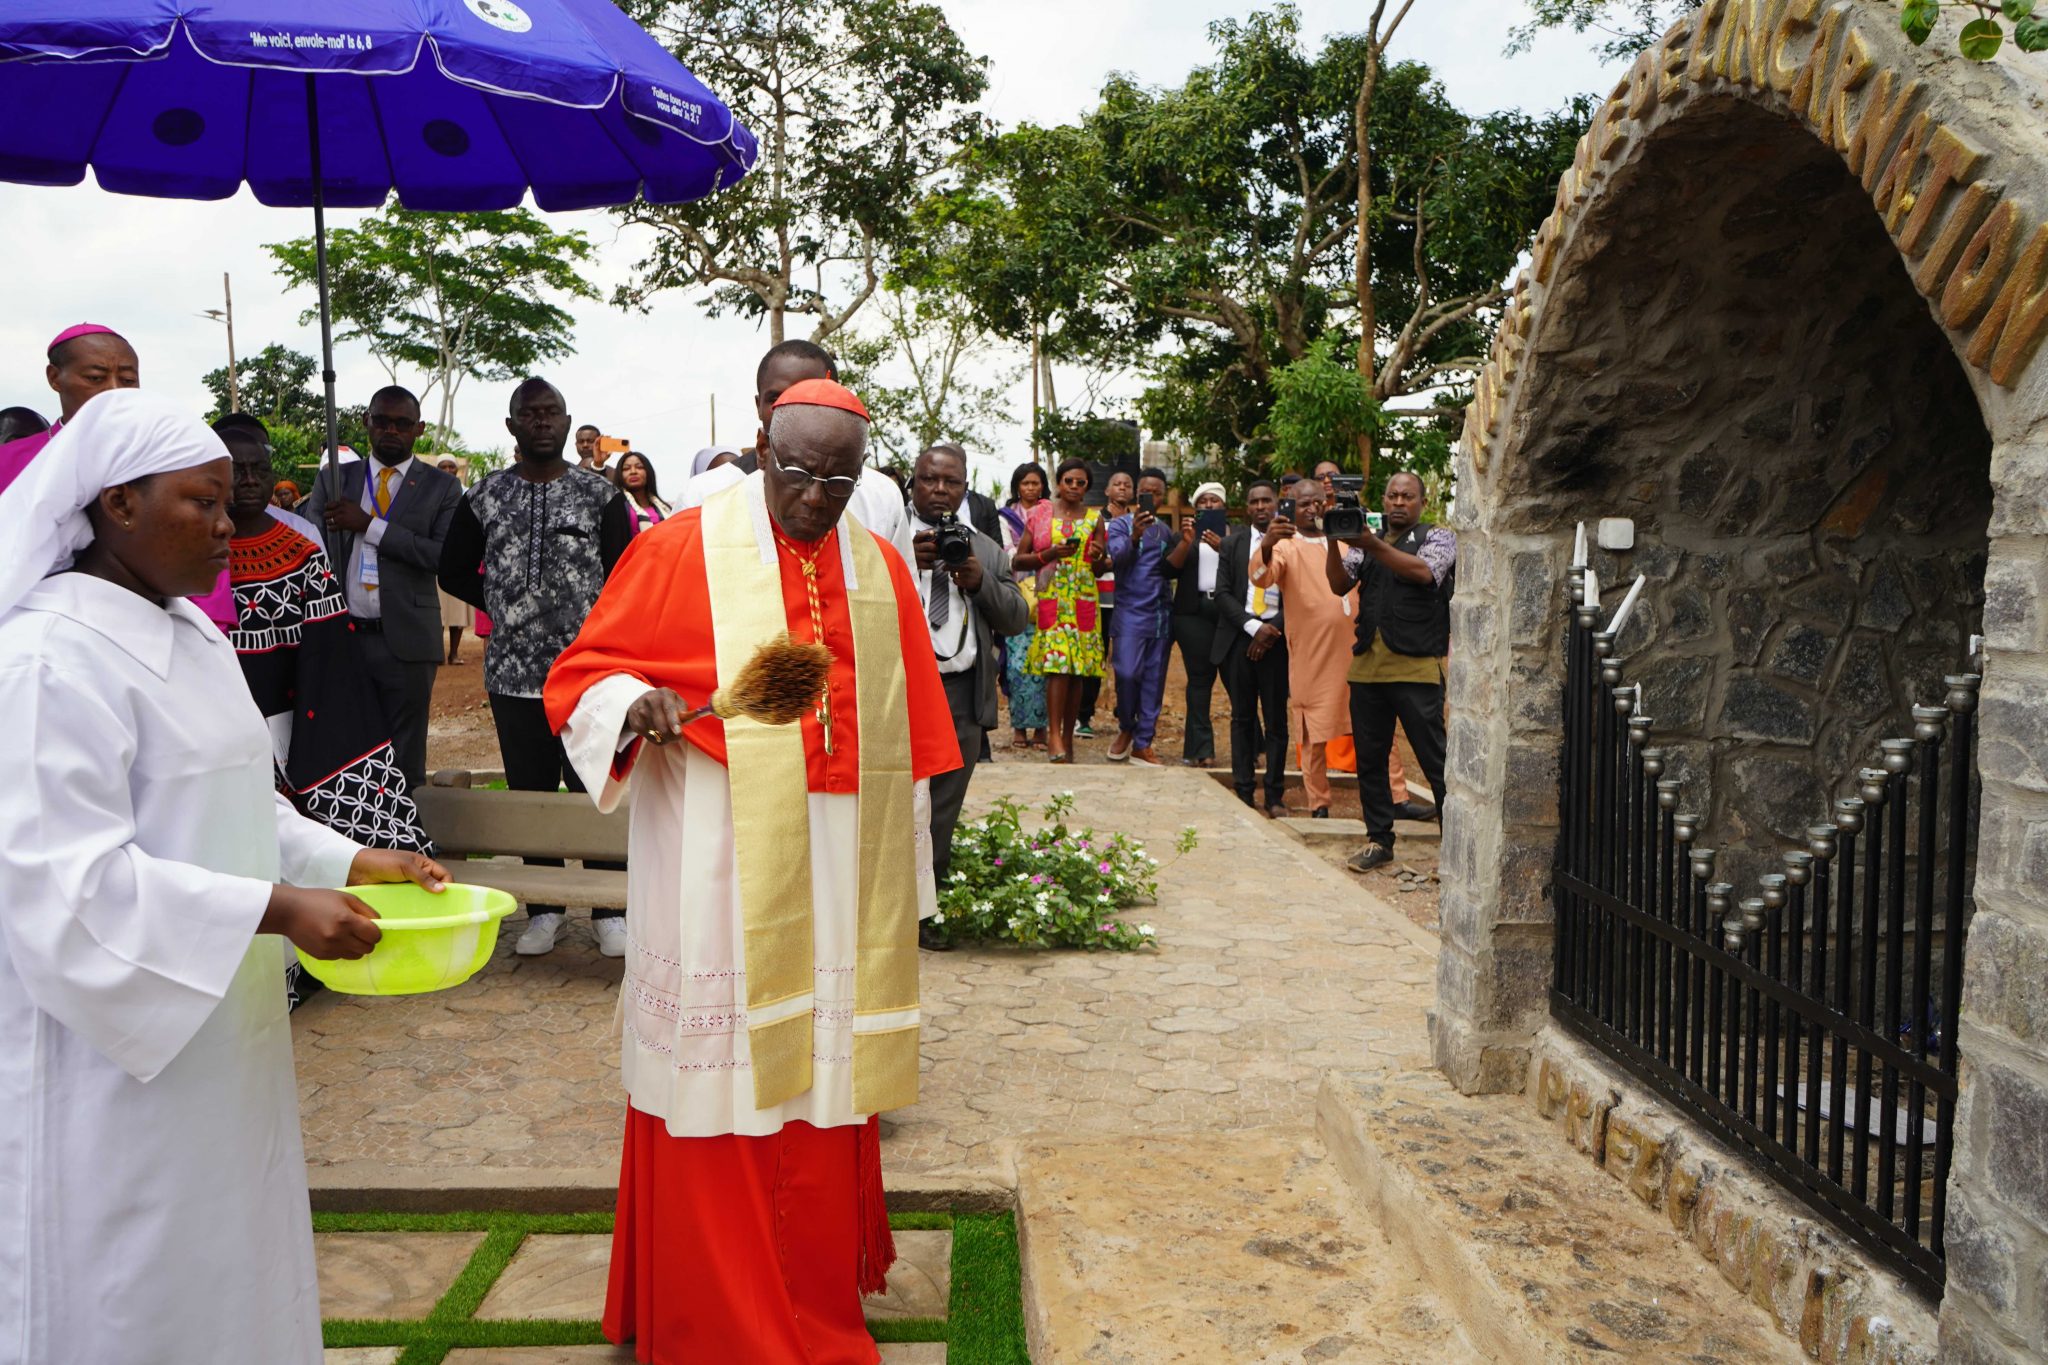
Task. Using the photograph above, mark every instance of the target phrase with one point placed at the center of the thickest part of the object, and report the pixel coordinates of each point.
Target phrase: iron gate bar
(1849, 820)
(1921, 1267)
(1898, 759)
(1734, 1005)
(1875, 791)
(1820, 844)
(1730, 964)
(1962, 706)
(1927, 735)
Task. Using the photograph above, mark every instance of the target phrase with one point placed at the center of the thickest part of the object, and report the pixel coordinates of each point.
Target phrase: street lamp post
(226, 315)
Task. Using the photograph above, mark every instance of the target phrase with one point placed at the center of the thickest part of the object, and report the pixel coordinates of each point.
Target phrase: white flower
(1145, 930)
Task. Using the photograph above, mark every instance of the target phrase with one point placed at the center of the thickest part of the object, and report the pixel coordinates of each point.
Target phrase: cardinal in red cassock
(776, 878)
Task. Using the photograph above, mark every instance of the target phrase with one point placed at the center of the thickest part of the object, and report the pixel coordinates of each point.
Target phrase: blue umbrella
(455, 104)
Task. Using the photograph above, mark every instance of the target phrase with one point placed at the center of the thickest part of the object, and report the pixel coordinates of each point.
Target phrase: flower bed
(1049, 887)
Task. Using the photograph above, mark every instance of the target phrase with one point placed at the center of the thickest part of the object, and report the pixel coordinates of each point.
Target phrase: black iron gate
(1804, 1023)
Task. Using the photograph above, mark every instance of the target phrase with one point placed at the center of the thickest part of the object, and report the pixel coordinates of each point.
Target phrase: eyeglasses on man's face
(839, 489)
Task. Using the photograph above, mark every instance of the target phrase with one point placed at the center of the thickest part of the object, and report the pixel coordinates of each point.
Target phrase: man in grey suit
(384, 535)
(971, 599)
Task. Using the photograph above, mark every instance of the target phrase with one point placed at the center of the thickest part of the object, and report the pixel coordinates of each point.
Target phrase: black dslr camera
(1344, 519)
(953, 542)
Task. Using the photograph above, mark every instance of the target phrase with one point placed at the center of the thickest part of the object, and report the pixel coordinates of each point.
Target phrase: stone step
(1340, 831)
(1243, 1246)
(1543, 1257)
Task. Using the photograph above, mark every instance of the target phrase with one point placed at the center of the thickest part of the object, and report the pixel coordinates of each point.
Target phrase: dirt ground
(460, 735)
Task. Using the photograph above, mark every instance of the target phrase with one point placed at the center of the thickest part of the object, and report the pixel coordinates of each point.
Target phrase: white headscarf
(701, 461)
(118, 437)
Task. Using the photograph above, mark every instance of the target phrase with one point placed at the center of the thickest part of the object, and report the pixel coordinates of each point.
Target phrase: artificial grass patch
(985, 1326)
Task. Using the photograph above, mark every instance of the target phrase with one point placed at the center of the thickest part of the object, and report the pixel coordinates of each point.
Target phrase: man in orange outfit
(770, 999)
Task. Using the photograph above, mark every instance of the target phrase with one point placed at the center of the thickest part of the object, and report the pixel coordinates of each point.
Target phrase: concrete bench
(483, 831)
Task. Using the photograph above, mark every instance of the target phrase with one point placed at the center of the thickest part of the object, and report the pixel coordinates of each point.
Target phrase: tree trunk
(1375, 57)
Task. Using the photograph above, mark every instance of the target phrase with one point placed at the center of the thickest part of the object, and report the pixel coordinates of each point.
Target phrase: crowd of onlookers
(1322, 638)
(344, 599)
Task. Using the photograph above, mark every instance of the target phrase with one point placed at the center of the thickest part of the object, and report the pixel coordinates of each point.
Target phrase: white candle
(1628, 604)
(1579, 548)
(1592, 597)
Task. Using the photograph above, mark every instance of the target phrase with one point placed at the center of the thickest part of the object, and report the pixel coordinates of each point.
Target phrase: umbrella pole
(330, 464)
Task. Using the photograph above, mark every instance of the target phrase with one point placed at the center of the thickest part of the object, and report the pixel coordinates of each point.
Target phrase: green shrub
(1052, 887)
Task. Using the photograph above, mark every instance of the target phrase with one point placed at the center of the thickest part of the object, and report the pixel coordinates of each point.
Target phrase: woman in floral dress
(1026, 690)
(1064, 545)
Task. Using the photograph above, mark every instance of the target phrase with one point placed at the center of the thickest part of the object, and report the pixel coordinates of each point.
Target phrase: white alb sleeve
(129, 951)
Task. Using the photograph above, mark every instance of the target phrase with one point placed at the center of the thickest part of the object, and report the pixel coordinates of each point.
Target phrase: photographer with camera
(1147, 554)
(1405, 576)
(971, 601)
(1195, 562)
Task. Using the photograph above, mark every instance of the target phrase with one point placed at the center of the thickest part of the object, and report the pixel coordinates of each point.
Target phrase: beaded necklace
(809, 565)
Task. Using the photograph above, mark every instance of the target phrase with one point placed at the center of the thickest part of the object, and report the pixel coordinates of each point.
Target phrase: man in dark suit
(1251, 651)
(384, 535)
(1195, 563)
(970, 602)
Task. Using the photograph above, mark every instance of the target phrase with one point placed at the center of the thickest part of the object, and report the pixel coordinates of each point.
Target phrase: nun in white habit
(152, 1183)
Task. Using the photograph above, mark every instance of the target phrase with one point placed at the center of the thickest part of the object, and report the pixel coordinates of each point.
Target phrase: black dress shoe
(1319, 813)
(1374, 855)
(1415, 810)
(1276, 810)
(930, 938)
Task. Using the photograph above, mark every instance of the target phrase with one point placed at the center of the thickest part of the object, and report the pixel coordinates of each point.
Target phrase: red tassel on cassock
(877, 1245)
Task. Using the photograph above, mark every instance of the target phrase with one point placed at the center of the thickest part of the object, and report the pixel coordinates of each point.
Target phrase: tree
(276, 384)
(956, 390)
(1626, 27)
(1214, 227)
(1632, 26)
(857, 104)
(453, 295)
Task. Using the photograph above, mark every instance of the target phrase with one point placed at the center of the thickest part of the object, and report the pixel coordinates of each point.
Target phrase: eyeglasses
(838, 489)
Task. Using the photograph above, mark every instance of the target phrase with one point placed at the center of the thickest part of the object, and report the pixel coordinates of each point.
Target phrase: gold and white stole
(766, 768)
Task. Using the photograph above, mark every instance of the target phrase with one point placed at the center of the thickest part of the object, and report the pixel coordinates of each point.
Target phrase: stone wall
(1819, 1289)
(1727, 329)
(1758, 385)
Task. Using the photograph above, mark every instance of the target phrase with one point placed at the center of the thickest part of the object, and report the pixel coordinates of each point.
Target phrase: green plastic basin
(431, 942)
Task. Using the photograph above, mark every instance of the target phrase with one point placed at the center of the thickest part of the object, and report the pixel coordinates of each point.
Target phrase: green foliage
(1982, 37)
(452, 295)
(1099, 440)
(1052, 887)
(1208, 230)
(1321, 406)
(857, 104)
(1626, 27)
(956, 389)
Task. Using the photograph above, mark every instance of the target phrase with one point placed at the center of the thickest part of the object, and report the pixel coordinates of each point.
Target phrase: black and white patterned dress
(298, 654)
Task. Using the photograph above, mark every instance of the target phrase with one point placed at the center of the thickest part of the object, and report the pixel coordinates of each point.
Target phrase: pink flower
(999, 862)
(1103, 868)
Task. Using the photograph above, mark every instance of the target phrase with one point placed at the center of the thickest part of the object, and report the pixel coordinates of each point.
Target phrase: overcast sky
(149, 267)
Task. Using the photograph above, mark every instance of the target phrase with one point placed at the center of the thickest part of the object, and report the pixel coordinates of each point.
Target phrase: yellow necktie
(384, 490)
(1258, 600)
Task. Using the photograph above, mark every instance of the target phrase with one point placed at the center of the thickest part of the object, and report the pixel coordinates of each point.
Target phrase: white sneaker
(611, 935)
(539, 937)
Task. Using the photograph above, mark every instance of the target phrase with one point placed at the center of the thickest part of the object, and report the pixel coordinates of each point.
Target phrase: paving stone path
(1272, 968)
